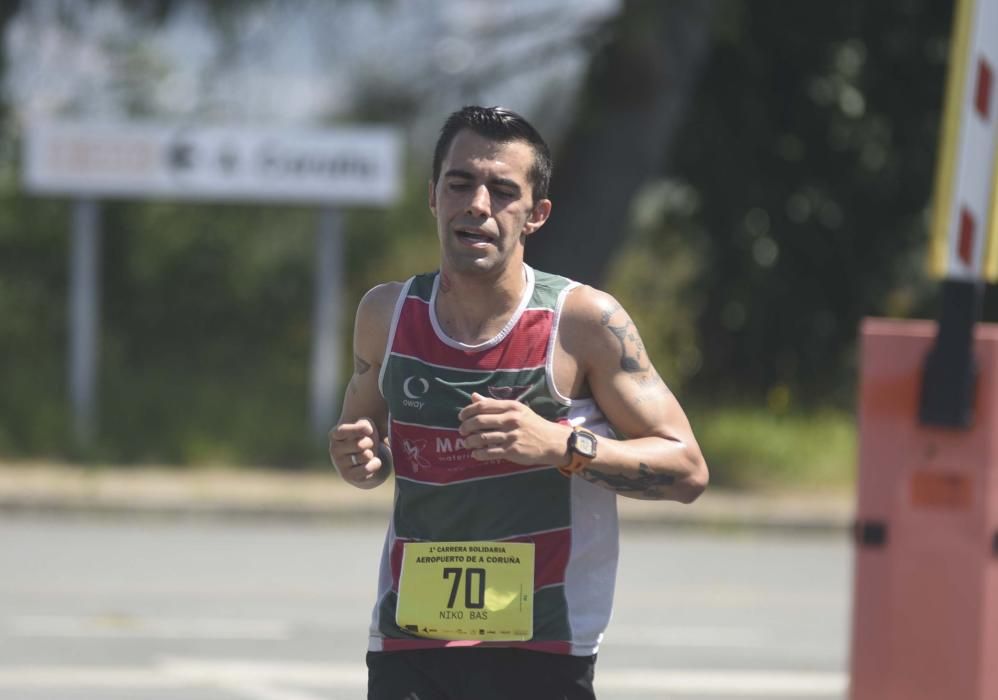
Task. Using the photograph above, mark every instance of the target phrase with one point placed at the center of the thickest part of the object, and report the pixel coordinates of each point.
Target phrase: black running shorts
(495, 673)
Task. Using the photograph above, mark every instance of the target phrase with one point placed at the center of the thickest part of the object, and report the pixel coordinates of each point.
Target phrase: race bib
(467, 590)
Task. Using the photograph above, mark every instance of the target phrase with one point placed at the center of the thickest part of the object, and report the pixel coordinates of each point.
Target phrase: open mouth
(473, 237)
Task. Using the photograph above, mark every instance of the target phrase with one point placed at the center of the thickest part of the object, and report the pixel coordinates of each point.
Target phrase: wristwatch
(581, 449)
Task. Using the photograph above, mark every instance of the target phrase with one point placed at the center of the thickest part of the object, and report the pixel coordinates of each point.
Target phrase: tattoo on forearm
(647, 482)
(359, 365)
(632, 350)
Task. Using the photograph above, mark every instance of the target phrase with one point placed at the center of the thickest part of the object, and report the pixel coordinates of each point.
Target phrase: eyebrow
(465, 175)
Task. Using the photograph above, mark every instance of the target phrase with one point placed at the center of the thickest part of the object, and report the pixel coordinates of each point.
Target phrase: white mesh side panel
(592, 566)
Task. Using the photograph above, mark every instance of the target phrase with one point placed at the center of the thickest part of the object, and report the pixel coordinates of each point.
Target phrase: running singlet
(443, 494)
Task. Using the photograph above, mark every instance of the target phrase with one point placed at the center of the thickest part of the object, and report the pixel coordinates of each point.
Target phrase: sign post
(329, 168)
(925, 603)
(328, 320)
(84, 318)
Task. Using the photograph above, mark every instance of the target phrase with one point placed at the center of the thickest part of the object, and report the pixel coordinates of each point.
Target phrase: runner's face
(483, 203)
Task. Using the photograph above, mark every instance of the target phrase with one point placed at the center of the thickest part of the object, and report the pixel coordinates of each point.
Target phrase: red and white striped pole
(965, 212)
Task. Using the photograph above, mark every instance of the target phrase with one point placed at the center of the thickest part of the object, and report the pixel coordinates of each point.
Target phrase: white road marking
(725, 638)
(114, 625)
(79, 677)
(263, 692)
(260, 680)
(685, 637)
(242, 670)
(132, 626)
(732, 683)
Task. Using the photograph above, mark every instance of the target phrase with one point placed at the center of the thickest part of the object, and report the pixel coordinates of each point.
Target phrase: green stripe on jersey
(449, 390)
(422, 286)
(551, 614)
(484, 509)
(547, 287)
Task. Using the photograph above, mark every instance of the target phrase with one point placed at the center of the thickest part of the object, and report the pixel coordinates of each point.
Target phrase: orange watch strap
(578, 461)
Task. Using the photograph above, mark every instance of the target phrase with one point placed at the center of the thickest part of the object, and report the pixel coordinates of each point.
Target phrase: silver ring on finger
(353, 459)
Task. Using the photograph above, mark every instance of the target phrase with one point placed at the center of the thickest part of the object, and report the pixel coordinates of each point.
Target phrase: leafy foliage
(791, 202)
(751, 447)
(807, 162)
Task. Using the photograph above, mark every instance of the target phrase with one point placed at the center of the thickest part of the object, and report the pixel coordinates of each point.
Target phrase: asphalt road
(147, 609)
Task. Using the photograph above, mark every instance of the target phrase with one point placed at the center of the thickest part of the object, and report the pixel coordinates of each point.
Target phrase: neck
(474, 308)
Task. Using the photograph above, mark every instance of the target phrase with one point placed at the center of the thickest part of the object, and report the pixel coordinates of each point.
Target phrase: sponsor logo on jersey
(447, 445)
(414, 451)
(415, 388)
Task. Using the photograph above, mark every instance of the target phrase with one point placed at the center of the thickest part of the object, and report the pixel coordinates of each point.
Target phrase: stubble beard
(469, 261)
(468, 265)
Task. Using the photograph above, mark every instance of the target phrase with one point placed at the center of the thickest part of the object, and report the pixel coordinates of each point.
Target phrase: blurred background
(750, 179)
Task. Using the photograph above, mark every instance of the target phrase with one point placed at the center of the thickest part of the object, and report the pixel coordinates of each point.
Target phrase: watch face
(585, 444)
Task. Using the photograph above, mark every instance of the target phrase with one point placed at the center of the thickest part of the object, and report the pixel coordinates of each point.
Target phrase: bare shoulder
(380, 301)
(586, 304)
(594, 323)
(374, 319)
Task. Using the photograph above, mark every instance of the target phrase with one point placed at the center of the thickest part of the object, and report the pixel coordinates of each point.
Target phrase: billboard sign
(355, 165)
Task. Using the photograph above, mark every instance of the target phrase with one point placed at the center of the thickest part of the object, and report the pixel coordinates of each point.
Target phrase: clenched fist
(353, 449)
(510, 430)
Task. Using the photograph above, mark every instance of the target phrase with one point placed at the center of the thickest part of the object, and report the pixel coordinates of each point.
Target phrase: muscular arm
(363, 399)
(659, 457)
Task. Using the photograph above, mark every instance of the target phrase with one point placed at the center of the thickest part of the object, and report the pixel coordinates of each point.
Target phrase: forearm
(651, 468)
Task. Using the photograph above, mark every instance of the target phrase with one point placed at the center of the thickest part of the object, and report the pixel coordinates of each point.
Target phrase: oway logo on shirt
(414, 388)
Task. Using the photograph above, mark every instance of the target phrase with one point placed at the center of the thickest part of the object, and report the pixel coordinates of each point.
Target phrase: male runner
(491, 388)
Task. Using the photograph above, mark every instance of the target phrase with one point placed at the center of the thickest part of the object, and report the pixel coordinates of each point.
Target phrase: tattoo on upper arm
(647, 482)
(633, 357)
(632, 350)
(360, 366)
(608, 314)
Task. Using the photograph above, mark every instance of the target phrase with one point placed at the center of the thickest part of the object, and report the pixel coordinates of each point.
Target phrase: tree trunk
(635, 97)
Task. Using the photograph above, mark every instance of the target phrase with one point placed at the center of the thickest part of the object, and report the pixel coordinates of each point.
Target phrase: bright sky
(301, 63)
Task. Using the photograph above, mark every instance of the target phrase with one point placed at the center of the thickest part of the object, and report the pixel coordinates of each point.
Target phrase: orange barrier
(925, 605)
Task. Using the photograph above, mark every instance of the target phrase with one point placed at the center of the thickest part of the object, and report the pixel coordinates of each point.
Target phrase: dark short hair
(502, 126)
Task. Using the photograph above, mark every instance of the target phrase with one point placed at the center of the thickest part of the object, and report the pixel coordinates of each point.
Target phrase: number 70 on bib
(467, 590)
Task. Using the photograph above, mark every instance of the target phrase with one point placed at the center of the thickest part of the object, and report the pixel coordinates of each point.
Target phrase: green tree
(787, 200)
(811, 148)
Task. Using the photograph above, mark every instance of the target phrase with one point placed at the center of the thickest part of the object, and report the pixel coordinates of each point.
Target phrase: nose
(480, 203)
